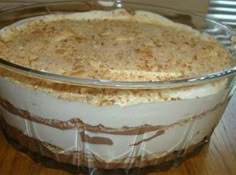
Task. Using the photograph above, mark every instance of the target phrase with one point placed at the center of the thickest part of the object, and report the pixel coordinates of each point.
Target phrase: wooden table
(218, 158)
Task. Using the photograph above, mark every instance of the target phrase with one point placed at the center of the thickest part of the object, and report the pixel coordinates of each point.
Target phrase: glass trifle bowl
(106, 87)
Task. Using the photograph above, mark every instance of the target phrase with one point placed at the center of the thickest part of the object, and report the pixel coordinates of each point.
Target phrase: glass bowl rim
(99, 83)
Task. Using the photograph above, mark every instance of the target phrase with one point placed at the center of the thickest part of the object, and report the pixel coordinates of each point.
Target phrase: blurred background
(188, 5)
(221, 10)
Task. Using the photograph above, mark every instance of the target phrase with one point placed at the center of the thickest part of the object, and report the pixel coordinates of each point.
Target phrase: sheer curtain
(224, 11)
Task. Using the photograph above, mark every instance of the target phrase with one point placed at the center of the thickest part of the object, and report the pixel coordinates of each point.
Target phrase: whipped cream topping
(116, 46)
(113, 46)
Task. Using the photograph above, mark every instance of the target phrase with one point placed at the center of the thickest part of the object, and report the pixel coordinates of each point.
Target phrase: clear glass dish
(95, 135)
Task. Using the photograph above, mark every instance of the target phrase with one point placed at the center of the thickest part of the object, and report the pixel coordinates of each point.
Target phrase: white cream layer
(42, 104)
(176, 137)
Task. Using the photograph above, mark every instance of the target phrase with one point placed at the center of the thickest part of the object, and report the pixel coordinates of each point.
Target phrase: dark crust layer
(78, 161)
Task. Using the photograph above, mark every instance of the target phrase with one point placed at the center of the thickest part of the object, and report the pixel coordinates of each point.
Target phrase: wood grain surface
(218, 158)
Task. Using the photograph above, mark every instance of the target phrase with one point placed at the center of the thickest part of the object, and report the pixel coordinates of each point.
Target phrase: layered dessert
(110, 127)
